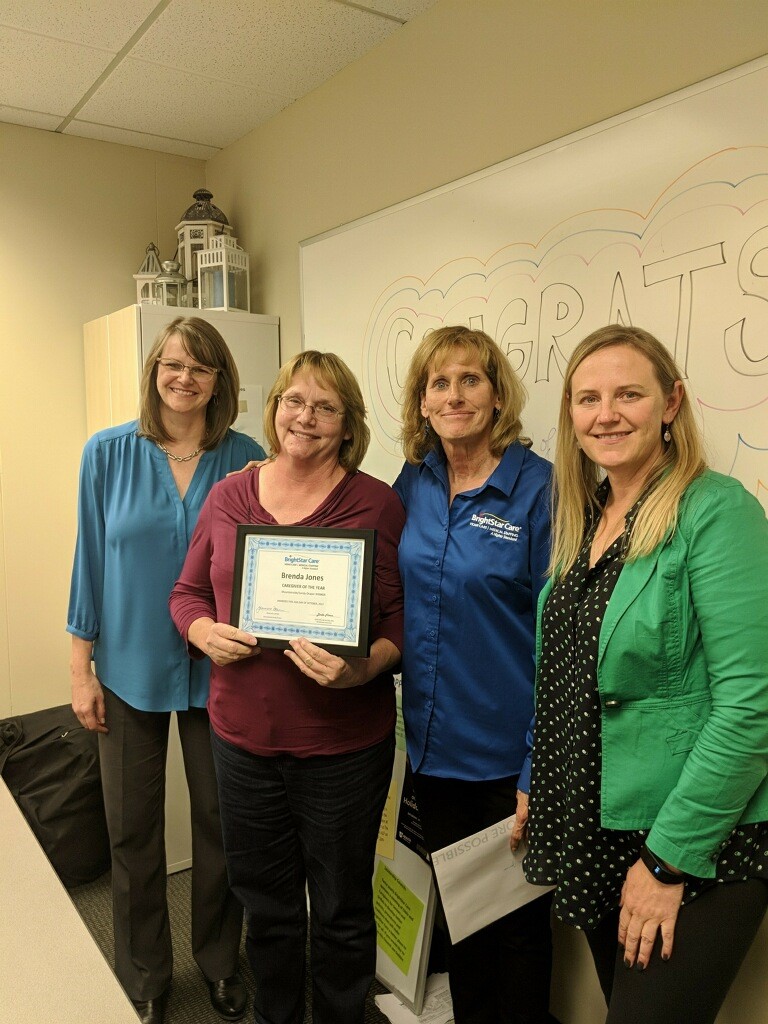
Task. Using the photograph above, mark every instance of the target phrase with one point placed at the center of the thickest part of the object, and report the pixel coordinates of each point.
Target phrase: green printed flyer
(398, 916)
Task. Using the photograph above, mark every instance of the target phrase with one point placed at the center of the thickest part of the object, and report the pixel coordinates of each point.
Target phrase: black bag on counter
(50, 763)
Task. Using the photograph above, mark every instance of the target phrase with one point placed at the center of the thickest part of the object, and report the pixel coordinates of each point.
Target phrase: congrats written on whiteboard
(481, 880)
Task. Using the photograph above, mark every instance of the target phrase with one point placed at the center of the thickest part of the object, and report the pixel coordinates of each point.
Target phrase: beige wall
(468, 84)
(77, 216)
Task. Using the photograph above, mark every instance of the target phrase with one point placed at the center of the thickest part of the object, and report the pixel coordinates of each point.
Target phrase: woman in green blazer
(649, 789)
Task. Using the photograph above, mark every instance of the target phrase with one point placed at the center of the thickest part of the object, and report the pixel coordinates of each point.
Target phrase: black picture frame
(305, 599)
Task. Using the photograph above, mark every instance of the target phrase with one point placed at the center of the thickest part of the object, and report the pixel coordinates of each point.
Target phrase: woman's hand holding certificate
(224, 644)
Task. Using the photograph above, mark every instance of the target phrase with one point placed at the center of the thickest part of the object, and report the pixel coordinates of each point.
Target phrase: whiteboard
(658, 217)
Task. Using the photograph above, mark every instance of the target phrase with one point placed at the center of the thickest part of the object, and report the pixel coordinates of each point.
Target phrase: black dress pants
(133, 763)
(501, 974)
(712, 936)
(298, 825)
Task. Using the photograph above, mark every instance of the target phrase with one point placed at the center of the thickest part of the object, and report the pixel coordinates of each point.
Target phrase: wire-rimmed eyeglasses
(320, 410)
(196, 371)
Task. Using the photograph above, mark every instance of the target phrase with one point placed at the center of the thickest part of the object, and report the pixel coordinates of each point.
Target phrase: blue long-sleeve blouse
(133, 535)
(472, 572)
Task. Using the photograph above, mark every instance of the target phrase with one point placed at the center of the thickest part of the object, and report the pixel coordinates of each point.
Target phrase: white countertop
(50, 967)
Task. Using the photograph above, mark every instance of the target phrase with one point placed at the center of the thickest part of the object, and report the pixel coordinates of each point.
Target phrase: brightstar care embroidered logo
(495, 525)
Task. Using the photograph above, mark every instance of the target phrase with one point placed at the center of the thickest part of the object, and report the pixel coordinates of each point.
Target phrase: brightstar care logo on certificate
(495, 525)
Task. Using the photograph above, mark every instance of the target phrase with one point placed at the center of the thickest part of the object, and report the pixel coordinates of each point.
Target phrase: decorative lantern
(170, 287)
(197, 229)
(148, 271)
(222, 276)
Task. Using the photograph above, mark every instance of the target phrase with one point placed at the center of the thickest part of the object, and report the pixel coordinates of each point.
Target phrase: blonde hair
(435, 348)
(334, 374)
(202, 343)
(576, 477)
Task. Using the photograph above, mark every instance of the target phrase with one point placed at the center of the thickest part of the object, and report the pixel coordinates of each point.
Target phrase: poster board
(403, 893)
(657, 217)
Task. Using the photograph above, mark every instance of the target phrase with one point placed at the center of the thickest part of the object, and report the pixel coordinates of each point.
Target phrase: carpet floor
(188, 1002)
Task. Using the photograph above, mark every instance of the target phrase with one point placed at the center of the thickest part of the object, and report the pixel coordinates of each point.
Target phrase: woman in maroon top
(303, 739)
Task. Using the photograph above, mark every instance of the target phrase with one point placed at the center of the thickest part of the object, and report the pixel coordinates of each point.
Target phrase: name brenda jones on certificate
(292, 581)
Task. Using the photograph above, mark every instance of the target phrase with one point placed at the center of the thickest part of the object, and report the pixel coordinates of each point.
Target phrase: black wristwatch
(658, 869)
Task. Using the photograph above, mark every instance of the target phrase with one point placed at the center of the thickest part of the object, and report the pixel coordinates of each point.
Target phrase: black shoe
(151, 1011)
(229, 997)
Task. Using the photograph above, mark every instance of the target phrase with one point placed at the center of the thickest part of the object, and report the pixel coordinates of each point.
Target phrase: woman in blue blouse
(142, 486)
(473, 558)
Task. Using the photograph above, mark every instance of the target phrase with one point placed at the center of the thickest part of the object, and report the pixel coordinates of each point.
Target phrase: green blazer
(683, 678)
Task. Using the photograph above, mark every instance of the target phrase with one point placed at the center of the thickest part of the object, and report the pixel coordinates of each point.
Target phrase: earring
(426, 427)
(496, 414)
(667, 435)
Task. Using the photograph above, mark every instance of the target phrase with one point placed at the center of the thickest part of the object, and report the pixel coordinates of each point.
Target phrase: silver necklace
(179, 458)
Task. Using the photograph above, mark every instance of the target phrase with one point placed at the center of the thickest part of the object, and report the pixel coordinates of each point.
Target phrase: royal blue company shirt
(472, 573)
(133, 535)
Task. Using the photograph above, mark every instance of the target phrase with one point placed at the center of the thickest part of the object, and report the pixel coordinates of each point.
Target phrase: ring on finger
(310, 661)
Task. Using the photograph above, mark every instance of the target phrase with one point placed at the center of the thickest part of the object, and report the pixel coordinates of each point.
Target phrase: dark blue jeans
(290, 822)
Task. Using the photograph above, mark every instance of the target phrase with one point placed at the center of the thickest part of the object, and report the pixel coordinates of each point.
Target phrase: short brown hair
(203, 343)
(333, 373)
(433, 350)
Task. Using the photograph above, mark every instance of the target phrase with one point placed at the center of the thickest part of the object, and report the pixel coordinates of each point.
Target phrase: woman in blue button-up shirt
(142, 486)
(473, 558)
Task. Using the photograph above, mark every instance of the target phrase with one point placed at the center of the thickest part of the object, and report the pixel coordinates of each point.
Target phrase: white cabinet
(115, 348)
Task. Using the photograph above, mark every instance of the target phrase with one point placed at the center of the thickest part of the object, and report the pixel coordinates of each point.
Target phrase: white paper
(480, 879)
(437, 1008)
(315, 592)
(296, 584)
(250, 419)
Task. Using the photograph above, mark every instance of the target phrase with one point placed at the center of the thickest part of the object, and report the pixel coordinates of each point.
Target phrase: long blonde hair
(576, 477)
(431, 353)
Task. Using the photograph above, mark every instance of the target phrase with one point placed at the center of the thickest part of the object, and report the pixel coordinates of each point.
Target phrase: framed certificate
(293, 581)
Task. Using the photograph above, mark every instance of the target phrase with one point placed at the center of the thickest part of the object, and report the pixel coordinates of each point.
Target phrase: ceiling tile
(141, 140)
(284, 46)
(178, 105)
(107, 23)
(26, 63)
(203, 74)
(403, 9)
(29, 118)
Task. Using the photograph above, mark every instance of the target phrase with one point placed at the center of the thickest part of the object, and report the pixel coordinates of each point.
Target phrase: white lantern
(222, 276)
(170, 287)
(200, 224)
(148, 271)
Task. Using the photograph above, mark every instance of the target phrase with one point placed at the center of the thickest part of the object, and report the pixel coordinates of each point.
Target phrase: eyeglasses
(320, 410)
(197, 372)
